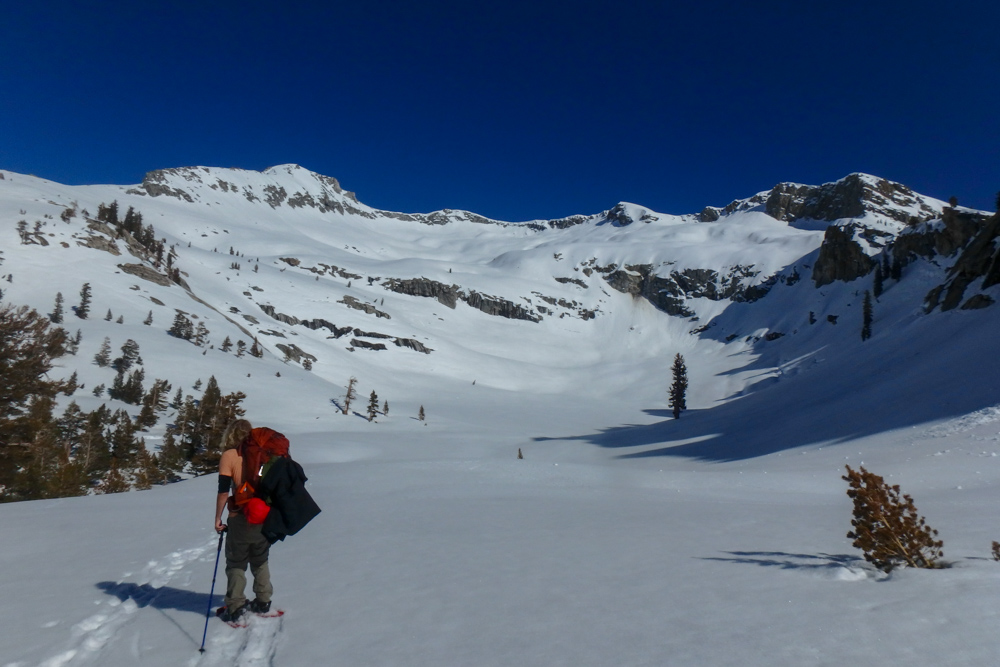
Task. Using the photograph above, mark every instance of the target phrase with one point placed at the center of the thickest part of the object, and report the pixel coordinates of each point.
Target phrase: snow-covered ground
(622, 537)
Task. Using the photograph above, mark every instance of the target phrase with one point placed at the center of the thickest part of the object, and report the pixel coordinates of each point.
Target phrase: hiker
(245, 544)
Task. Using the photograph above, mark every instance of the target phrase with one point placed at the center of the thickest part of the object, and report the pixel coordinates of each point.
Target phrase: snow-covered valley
(623, 536)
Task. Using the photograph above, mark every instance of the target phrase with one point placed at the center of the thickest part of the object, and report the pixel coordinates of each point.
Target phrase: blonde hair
(235, 433)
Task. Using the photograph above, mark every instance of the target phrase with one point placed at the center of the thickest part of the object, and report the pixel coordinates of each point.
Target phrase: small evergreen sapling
(886, 526)
(372, 406)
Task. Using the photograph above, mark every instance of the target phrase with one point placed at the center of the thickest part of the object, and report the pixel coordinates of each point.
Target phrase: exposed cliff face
(956, 229)
(669, 293)
(979, 260)
(450, 295)
(841, 257)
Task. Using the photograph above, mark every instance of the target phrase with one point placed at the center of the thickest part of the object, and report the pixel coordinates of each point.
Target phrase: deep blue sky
(515, 110)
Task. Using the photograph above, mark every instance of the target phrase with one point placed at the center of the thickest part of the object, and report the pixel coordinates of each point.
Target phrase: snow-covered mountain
(437, 546)
(290, 257)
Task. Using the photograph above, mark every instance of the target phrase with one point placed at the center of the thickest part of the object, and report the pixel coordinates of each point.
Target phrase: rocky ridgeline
(870, 216)
(853, 196)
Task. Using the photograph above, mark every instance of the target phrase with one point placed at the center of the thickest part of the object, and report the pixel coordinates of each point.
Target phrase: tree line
(48, 454)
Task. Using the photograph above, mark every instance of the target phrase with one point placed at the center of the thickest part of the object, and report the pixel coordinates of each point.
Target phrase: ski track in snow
(90, 636)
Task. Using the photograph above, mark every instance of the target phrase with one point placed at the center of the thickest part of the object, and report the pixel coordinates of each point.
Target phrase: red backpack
(258, 450)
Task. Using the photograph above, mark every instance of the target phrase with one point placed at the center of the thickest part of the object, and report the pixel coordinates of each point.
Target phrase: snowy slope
(623, 537)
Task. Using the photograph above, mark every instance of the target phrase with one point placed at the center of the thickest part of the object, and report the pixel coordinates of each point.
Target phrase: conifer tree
(120, 320)
(57, 311)
(877, 281)
(256, 350)
(372, 406)
(84, 308)
(678, 389)
(103, 356)
(149, 319)
(73, 345)
(178, 400)
(29, 345)
(130, 356)
(866, 317)
(886, 527)
(241, 348)
(201, 334)
(226, 345)
(182, 327)
(107, 318)
(421, 415)
(385, 408)
(350, 395)
(72, 384)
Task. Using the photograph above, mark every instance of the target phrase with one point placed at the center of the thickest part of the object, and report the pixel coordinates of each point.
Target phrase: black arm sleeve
(225, 483)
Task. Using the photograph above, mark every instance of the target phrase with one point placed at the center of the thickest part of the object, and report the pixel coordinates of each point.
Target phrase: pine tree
(103, 356)
(256, 350)
(241, 348)
(84, 308)
(149, 319)
(72, 384)
(385, 408)
(226, 345)
(201, 334)
(57, 311)
(678, 389)
(29, 345)
(182, 327)
(372, 406)
(73, 346)
(866, 317)
(886, 527)
(421, 415)
(877, 281)
(107, 318)
(121, 319)
(130, 356)
(350, 395)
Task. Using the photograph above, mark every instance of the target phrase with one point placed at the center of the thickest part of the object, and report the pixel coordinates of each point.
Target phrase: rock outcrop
(841, 257)
(669, 293)
(980, 259)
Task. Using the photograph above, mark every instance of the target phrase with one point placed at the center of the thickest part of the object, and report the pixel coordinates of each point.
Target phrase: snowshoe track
(253, 645)
(91, 636)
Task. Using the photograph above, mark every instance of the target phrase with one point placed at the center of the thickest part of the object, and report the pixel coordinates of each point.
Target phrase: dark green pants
(246, 546)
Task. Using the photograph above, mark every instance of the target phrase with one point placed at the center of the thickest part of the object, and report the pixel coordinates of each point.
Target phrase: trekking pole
(208, 612)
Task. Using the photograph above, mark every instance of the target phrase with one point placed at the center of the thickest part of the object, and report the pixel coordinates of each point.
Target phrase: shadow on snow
(856, 391)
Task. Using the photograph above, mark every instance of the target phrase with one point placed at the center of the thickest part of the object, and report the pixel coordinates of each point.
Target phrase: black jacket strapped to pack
(291, 505)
